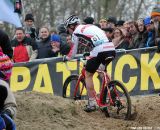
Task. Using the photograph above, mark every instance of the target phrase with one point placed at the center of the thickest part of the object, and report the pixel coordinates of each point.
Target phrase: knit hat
(88, 20)
(29, 17)
(120, 23)
(155, 11)
(112, 19)
(55, 38)
(147, 21)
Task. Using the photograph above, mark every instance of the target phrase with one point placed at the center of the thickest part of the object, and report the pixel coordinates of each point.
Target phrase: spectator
(133, 30)
(119, 39)
(125, 29)
(103, 23)
(55, 43)
(88, 20)
(111, 22)
(120, 23)
(44, 44)
(62, 32)
(150, 41)
(30, 29)
(126, 25)
(109, 33)
(64, 47)
(24, 49)
(155, 15)
(141, 27)
(5, 44)
(142, 33)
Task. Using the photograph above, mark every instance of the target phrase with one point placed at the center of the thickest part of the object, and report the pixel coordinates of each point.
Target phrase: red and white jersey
(93, 36)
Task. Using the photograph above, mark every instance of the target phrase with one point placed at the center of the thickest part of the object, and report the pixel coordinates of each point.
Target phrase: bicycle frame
(81, 76)
(106, 80)
(108, 97)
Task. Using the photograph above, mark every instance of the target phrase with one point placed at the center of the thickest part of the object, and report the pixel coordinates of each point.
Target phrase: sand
(37, 111)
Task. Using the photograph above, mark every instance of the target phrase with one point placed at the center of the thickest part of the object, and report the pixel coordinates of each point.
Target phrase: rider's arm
(74, 48)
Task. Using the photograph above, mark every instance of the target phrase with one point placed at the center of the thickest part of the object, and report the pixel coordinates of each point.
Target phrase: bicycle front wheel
(120, 107)
(72, 89)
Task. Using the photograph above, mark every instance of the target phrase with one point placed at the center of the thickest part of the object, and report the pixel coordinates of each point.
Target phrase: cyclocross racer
(93, 37)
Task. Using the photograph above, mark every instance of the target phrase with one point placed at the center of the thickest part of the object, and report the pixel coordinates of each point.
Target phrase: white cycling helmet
(73, 19)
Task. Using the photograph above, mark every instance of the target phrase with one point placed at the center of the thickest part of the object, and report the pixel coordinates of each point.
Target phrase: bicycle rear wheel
(121, 106)
(69, 88)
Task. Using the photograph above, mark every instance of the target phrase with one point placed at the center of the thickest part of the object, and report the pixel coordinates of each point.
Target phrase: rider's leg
(102, 67)
(90, 88)
(91, 68)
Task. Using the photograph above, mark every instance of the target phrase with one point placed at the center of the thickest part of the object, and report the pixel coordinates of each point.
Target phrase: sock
(92, 102)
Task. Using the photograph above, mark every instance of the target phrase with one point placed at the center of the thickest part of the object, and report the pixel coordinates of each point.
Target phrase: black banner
(138, 70)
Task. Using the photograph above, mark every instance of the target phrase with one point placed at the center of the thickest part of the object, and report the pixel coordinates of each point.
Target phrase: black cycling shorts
(93, 63)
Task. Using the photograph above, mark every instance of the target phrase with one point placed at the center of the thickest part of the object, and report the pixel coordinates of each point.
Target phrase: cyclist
(95, 38)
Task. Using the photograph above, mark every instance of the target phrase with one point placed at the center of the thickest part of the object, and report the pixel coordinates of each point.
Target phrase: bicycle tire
(71, 82)
(118, 101)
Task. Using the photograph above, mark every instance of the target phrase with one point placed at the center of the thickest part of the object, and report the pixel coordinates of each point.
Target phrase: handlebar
(83, 60)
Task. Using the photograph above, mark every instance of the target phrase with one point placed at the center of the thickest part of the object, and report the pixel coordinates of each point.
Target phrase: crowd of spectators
(31, 43)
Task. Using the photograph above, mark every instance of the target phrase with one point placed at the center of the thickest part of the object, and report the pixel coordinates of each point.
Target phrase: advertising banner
(138, 70)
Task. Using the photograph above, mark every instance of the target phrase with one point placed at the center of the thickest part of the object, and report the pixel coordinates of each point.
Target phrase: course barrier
(138, 70)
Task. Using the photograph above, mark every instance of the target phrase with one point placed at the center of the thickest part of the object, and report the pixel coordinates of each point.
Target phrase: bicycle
(114, 99)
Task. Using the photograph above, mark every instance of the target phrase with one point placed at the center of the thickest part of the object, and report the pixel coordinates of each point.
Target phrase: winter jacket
(45, 49)
(30, 45)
